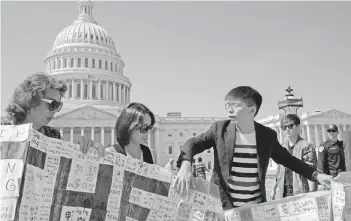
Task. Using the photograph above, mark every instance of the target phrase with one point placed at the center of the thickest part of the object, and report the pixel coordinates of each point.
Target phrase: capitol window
(86, 62)
(101, 92)
(54, 65)
(58, 63)
(116, 68)
(79, 62)
(105, 65)
(94, 91)
(170, 150)
(100, 64)
(93, 63)
(180, 134)
(65, 63)
(85, 90)
(72, 62)
(70, 90)
(78, 90)
(111, 67)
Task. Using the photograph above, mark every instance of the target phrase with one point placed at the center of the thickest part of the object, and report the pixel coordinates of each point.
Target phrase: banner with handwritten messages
(345, 179)
(46, 179)
(314, 206)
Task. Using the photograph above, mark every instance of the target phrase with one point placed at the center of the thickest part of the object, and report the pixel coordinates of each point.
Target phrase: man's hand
(325, 180)
(86, 143)
(182, 182)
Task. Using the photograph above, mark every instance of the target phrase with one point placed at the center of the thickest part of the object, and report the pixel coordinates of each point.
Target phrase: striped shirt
(244, 185)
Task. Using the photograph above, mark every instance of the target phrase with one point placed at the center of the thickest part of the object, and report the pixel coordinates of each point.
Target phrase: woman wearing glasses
(132, 129)
(36, 100)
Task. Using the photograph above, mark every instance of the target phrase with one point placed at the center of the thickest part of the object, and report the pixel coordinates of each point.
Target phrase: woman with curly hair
(132, 129)
(36, 100)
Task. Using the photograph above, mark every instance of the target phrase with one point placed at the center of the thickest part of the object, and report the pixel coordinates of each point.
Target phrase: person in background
(169, 164)
(36, 100)
(289, 183)
(242, 150)
(200, 169)
(132, 129)
(193, 167)
(331, 156)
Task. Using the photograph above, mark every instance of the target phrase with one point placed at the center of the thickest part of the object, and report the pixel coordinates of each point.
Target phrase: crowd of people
(242, 147)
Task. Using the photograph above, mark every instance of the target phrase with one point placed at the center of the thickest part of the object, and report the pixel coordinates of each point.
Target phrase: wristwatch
(314, 175)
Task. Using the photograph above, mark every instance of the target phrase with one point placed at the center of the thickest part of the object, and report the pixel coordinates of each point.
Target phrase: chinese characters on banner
(48, 179)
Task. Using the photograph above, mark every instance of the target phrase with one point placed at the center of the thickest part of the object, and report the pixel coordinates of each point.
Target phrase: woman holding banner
(36, 100)
(132, 129)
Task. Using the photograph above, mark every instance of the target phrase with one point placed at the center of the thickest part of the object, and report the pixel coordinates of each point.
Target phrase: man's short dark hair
(247, 94)
(290, 117)
(199, 159)
(130, 118)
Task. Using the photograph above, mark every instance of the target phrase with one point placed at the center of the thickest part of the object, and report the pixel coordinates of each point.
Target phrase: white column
(73, 89)
(157, 138)
(120, 93)
(324, 133)
(280, 135)
(61, 132)
(126, 95)
(112, 135)
(98, 91)
(340, 132)
(317, 143)
(92, 133)
(309, 132)
(303, 134)
(91, 90)
(102, 131)
(149, 141)
(107, 90)
(82, 131)
(114, 92)
(72, 134)
(81, 89)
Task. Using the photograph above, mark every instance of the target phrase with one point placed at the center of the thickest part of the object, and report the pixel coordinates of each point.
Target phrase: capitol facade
(84, 55)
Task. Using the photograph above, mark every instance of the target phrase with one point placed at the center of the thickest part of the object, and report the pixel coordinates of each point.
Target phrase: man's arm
(197, 145)
(281, 156)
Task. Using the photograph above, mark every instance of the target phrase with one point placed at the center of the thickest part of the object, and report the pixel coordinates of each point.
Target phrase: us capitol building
(85, 56)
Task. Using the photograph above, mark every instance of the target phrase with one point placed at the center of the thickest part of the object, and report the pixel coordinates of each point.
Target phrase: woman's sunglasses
(145, 128)
(290, 126)
(53, 105)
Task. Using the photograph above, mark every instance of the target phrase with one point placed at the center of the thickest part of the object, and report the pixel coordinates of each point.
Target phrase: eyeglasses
(290, 126)
(145, 128)
(53, 105)
(230, 106)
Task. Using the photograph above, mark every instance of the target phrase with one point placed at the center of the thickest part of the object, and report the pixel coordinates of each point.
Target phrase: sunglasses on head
(145, 128)
(290, 126)
(53, 105)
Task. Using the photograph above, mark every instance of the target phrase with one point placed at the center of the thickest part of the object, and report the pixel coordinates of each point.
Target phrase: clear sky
(185, 56)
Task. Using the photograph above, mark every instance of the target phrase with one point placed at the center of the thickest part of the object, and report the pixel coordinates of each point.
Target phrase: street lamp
(290, 104)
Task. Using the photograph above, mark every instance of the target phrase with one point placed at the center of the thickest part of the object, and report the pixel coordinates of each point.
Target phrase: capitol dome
(85, 30)
(85, 56)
